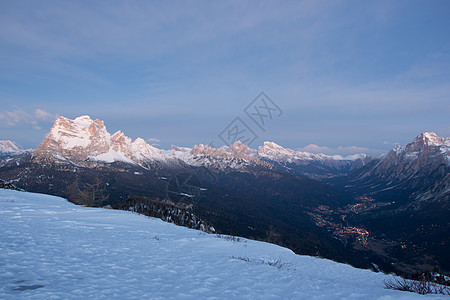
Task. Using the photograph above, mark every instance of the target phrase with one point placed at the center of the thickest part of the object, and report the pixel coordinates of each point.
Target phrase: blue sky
(349, 76)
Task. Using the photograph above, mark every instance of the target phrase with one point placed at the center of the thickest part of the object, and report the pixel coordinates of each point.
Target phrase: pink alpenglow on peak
(83, 141)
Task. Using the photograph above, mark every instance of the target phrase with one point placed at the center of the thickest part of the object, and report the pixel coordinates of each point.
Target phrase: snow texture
(52, 249)
(112, 156)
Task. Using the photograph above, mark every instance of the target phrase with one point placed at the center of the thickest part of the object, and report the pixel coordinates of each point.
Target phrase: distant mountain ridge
(412, 186)
(237, 157)
(10, 148)
(309, 164)
(87, 142)
(422, 166)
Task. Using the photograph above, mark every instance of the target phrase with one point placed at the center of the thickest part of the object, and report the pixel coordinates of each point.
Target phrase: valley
(349, 209)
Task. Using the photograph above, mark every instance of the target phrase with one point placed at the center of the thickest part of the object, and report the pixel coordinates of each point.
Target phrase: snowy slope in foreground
(50, 248)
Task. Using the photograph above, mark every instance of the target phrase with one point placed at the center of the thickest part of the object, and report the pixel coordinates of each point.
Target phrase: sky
(341, 77)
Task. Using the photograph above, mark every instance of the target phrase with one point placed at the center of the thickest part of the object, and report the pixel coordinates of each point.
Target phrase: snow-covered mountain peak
(240, 147)
(142, 151)
(423, 164)
(354, 156)
(274, 146)
(180, 149)
(120, 142)
(10, 148)
(141, 142)
(276, 152)
(236, 150)
(77, 124)
(117, 134)
(84, 121)
(81, 132)
(120, 149)
(398, 149)
(306, 162)
(272, 151)
(202, 149)
(427, 141)
(237, 156)
(83, 139)
(431, 139)
(238, 144)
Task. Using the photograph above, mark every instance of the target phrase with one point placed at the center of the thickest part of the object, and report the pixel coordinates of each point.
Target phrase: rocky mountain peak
(426, 148)
(237, 156)
(74, 139)
(397, 149)
(83, 140)
(421, 167)
(10, 148)
(121, 143)
(240, 147)
(273, 151)
(272, 145)
(142, 151)
(85, 119)
(428, 142)
(202, 149)
(431, 139)
(175, 148)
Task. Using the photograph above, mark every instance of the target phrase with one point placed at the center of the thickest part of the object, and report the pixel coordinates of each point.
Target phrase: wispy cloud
(43, 115)
(15, 116)
(389, 143)
(153, 141)
(19, 117)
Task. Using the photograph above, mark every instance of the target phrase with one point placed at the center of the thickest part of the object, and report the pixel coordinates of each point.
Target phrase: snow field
(52, 249)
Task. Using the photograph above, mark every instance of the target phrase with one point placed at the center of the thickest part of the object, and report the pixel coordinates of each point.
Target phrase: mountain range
(87, 142)
(388, 213)
(423, 165)
(415, 183)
